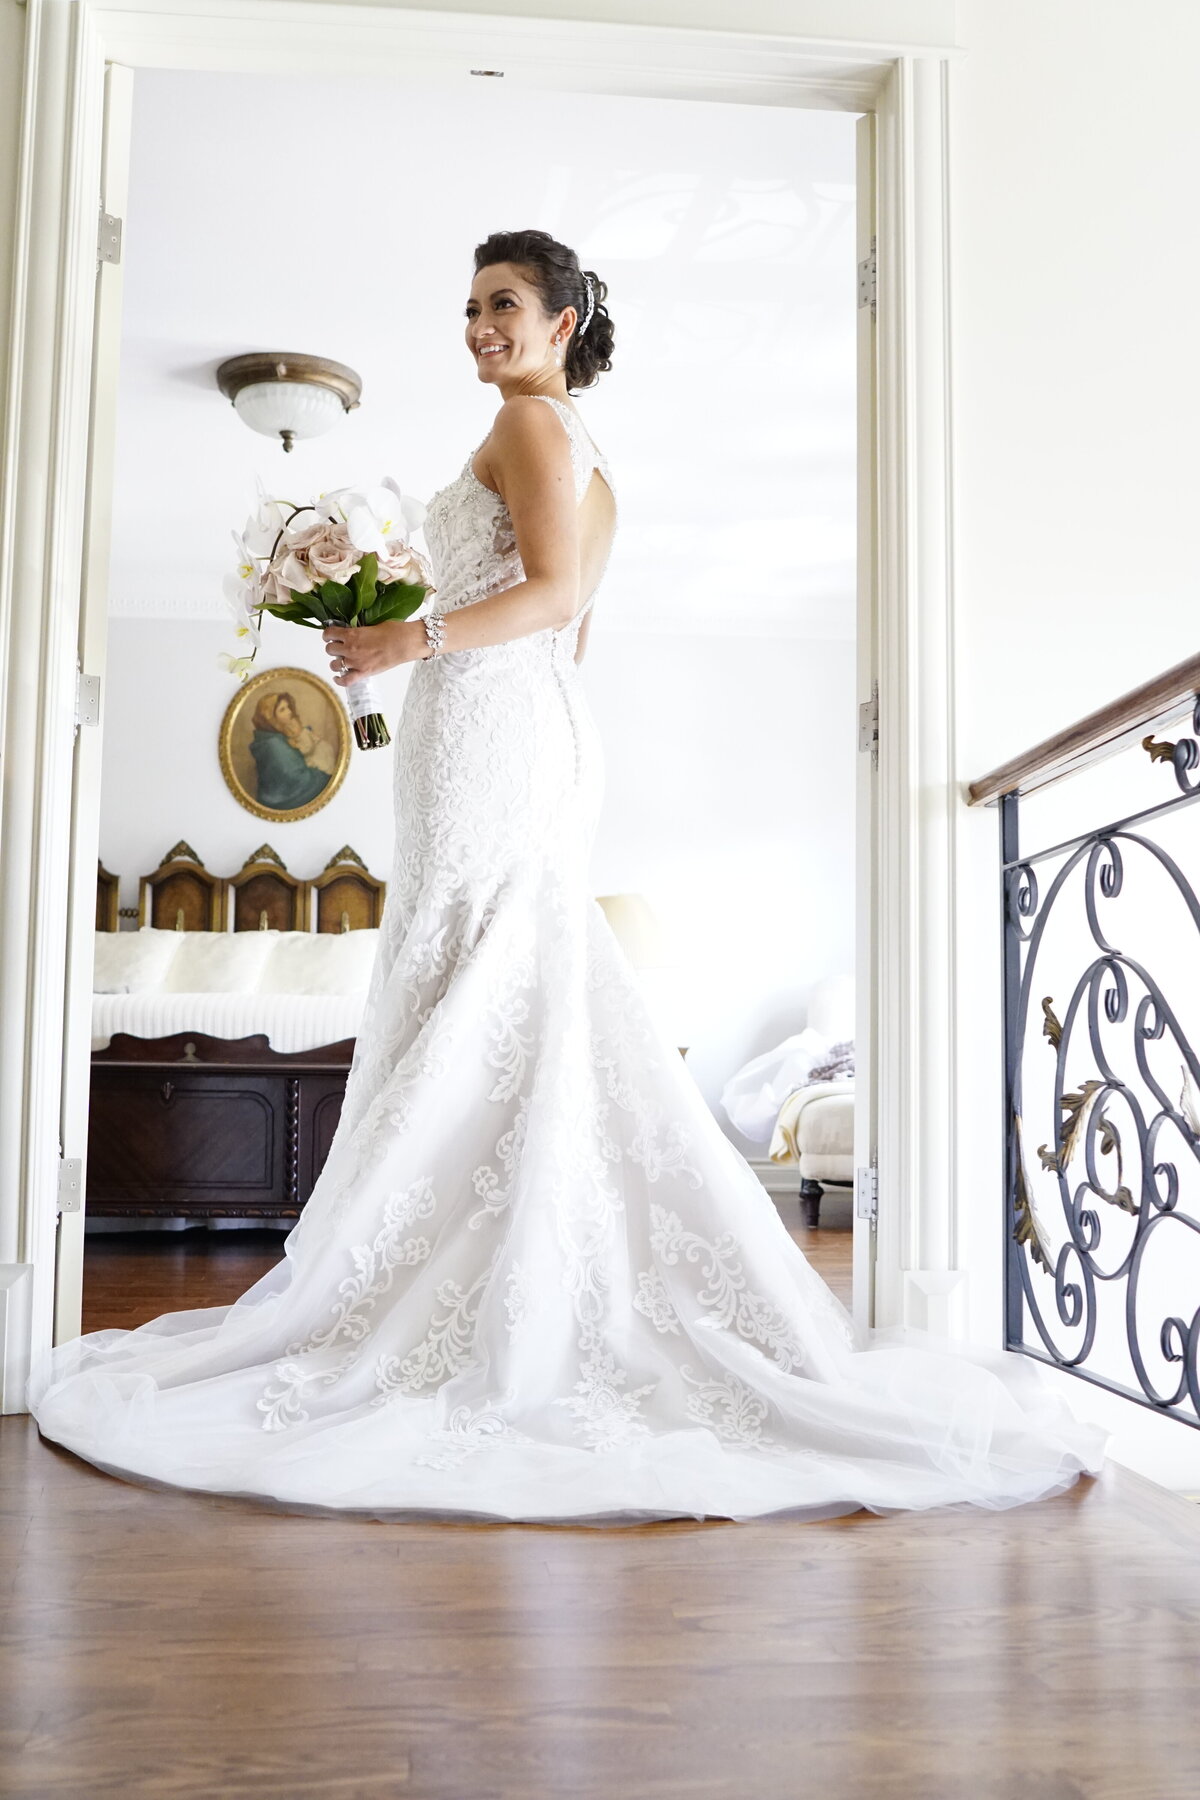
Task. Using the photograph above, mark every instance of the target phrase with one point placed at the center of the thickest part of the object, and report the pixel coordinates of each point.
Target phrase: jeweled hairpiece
(591, 305)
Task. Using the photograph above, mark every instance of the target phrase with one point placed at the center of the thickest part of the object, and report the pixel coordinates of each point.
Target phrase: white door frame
(44, 487)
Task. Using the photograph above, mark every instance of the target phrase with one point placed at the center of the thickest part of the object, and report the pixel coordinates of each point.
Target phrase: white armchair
(815, 1127)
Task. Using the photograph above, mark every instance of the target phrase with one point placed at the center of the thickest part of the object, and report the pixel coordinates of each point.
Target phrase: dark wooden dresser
(196, 1126)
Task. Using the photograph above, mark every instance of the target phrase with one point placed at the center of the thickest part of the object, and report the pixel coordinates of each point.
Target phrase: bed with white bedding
(289, 1022)
(221, 1040)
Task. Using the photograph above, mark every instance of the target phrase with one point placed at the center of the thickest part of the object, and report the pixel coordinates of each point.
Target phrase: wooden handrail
(1102, 733)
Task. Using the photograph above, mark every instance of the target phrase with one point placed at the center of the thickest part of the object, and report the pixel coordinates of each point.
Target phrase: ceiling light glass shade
(284, 394)
(298, 408)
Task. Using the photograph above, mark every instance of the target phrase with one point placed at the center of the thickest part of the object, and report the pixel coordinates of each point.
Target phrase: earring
(558, 355)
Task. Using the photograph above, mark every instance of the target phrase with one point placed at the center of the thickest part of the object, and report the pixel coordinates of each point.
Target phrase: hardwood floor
(130, 1277)
(161, 1644)
(167, 1644)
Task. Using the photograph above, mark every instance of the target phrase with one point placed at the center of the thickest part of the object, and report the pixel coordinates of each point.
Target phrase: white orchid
(235, 665)
(411, 511)
(247, 562)
(242, 592)
(243, 603)
(379, 516)
(264, 525)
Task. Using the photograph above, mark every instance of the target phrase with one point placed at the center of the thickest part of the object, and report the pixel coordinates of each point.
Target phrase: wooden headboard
(108, 899)
(182, 895)
(348, 896)
(264, 897)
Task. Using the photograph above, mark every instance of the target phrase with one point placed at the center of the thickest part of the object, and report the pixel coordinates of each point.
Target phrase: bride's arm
(529, 465)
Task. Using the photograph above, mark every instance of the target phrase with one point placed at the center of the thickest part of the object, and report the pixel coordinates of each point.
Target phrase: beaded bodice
(470, 534)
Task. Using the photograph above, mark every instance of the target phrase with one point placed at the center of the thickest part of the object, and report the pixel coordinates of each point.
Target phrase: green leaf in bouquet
(402, 598)
(296, 612)
(319, 608)
(366, 580)
(399, 600)
(338, 600)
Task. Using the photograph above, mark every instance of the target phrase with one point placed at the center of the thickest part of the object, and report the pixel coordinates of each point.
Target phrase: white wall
(1074, 139)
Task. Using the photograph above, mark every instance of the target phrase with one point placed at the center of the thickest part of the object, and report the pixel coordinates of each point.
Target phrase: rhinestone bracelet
(435, 632)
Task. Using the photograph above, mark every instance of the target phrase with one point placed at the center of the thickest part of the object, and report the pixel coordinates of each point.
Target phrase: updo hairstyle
(555, 273)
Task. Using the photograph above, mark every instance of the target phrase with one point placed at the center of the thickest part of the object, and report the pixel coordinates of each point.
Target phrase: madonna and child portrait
(285, 744)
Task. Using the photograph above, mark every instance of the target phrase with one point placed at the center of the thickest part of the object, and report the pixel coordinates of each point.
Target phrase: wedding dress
(535, 1281)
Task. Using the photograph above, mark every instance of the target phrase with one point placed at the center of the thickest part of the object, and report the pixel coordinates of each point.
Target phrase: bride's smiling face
(508, 334)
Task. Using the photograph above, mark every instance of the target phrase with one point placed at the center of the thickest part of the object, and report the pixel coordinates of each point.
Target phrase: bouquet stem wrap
(363, 705)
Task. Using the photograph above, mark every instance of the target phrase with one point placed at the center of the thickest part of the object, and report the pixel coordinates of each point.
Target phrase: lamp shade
(287, 395)
(297, 408)
(637, 928)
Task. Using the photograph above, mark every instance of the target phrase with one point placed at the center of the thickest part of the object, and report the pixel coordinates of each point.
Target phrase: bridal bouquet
(345, 558)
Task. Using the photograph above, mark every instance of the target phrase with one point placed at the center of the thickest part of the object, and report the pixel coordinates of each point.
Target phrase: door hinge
(866, 1192)
(87, 699)
(868, 725)
(108, 242)
(867, 280)
(70, 1184)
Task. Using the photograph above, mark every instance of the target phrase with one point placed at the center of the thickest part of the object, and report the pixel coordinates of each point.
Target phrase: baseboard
(16, 1296)
(785, 1178)
(777, 1178)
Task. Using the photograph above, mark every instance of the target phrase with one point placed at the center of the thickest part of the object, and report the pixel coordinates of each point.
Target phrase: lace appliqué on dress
(726, 1299)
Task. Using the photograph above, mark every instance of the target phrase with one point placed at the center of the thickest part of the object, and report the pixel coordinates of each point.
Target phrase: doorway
(889, 88)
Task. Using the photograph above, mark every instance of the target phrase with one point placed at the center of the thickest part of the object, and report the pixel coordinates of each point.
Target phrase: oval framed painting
(285, 744)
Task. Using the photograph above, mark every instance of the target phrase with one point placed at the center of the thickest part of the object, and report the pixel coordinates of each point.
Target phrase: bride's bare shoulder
(526, 426)
(528, 412)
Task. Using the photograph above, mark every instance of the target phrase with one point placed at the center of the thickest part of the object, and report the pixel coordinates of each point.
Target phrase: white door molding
(918, 800)
(48, 317)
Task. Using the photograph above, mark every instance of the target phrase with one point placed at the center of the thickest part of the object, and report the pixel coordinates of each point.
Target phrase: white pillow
(133, 962)
(220, 962)
(320, 962)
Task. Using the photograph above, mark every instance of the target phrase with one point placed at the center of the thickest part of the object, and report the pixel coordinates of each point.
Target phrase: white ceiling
(338, 217)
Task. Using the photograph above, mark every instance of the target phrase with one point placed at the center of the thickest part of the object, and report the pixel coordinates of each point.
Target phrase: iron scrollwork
(1103, 1272)
(1183, 755)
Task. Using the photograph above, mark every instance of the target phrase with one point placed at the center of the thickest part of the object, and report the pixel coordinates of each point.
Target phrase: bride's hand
(360, 650)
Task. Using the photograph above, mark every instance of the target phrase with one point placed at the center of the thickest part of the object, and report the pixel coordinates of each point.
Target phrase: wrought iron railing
(1101, 936)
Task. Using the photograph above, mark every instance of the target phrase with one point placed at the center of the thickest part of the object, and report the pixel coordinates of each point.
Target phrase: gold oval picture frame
(285, 744)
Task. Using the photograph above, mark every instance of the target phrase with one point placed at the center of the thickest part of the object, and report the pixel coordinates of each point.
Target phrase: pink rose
(403, 563)
(331, 556)
(299, 537)
(292, 572)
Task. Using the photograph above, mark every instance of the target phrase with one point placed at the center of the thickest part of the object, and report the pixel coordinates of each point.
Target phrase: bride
(535, 1280)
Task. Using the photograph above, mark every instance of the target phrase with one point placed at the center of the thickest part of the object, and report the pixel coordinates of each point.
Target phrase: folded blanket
(784, 1147)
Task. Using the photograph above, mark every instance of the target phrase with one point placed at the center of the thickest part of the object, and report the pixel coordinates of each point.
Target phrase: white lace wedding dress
(535, 1281)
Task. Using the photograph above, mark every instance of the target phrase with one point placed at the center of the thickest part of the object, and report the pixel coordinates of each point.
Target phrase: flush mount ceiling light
(288, 396)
